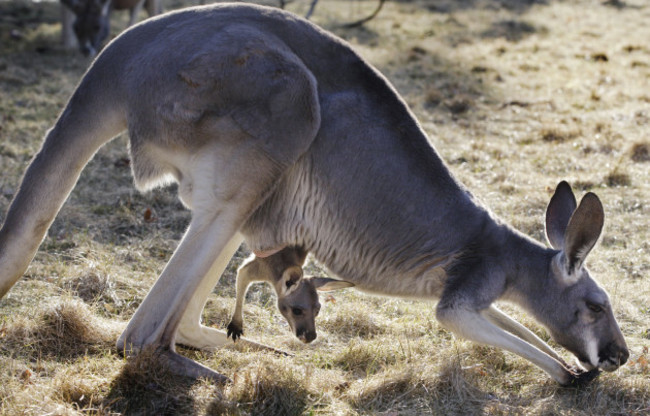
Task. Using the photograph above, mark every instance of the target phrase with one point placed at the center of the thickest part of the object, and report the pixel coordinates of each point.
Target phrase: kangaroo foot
(183, 366)
(210, 339)
(244, 343)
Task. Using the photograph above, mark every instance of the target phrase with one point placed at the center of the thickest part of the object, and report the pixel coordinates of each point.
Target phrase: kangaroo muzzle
(612, 356)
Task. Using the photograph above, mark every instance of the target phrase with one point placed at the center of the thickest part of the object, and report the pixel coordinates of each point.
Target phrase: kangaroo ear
(290, 280)
(583, 231)
(558, 213)
(325, 284)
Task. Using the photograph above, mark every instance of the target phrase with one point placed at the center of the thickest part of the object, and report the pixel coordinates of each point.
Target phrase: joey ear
(558, 213)
(290, 280)
(583, 230)
(325, 284)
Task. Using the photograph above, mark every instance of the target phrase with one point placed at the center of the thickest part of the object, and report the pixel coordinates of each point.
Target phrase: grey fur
(280, 134)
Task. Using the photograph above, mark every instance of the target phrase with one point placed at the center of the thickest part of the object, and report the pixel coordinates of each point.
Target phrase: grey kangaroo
(297, 294)
(87, 23)
(279, 134)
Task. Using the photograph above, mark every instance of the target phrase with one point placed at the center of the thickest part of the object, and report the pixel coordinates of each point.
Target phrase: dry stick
(366, 19)
(312, 7)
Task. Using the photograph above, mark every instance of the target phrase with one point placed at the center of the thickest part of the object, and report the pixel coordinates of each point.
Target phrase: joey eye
(296, 311)
(594, 307)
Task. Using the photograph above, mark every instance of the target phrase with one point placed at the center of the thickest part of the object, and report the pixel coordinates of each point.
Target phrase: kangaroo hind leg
(271, 121)
(182, 288)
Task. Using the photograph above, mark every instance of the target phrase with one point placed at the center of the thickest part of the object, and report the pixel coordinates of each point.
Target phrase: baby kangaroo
(297, 296)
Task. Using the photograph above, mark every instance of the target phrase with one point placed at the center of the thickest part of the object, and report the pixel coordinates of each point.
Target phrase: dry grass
(515, 94)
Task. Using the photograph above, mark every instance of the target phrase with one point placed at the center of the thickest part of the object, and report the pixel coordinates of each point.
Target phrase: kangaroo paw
(580, 377)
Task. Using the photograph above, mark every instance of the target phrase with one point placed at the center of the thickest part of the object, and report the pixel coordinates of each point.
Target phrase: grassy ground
(515, 94)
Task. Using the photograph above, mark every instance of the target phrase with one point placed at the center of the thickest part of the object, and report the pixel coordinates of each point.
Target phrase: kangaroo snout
(613, 356)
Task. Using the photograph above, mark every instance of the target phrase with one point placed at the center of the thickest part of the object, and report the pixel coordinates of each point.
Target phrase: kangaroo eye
(296, 311)
(594, 307)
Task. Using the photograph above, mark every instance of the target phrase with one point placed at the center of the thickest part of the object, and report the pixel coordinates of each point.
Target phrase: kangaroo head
(580, 316)
(298, 300)
(92, 24)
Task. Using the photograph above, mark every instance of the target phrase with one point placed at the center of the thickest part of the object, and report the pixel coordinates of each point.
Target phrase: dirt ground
(515, 95)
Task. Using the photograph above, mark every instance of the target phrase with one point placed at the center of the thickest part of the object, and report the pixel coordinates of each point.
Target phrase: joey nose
(310, 336)
(306, 336)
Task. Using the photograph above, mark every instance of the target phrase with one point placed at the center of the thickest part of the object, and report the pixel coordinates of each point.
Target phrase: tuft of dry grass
(350, 321)
(64, 330)
(271, 387)
(439, 390)
(144, 386)
(559, 135)
(640, 152)
(618, 178)
(364, 358)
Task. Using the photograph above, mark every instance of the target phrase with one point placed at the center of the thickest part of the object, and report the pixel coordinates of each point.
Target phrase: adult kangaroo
(279, 134)
(87, 23)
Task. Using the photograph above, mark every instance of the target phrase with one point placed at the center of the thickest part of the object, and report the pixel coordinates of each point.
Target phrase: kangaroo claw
(580, 377)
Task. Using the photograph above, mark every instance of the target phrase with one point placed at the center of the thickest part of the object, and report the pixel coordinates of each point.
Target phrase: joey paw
(235, 331)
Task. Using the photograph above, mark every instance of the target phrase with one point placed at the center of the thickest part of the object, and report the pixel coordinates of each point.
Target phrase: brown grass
(64, 330)
(641, 152)
(515, 94)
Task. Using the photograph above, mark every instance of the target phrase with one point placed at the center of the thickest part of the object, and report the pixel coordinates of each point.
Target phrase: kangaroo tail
(93, 116)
